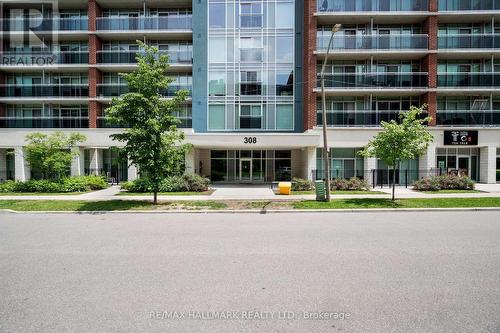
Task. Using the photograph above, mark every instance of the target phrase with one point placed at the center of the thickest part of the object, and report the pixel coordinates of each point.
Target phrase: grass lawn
(209, 192)
(401, 203)
(8, 194)
(336, 192)
(450, 191)
(96, 206)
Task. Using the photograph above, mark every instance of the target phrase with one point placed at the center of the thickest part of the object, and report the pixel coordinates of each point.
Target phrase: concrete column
(77, 163)
(22, 170)
(370, 163)
(311, 162)
(96, 160)
(131, 172)
(426, 162)
(189, 158)
(487, 164)
(3, 164)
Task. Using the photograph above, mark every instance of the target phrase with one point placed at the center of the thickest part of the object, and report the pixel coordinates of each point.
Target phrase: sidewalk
(255, 192)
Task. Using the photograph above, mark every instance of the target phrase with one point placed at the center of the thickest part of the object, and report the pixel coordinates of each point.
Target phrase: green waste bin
(320, 190)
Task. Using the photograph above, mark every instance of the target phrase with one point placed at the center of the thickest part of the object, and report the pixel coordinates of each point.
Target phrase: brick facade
(430, 99)
(430, 61)
(95, 76)
(310, 77)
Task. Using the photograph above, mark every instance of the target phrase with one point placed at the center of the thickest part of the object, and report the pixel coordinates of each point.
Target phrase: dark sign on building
(460, 138)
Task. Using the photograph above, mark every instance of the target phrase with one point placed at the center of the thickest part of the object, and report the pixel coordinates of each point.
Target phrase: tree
(404, 140)
(153, 142)
(51, 155)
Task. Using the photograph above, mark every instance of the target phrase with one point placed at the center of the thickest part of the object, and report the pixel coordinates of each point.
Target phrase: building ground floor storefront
(268, 157)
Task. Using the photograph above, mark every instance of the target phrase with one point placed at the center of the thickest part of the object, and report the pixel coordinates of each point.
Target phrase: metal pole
(326, 159)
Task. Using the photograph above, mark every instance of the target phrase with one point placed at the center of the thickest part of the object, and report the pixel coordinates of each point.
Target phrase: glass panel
(246, 169)
(216, 117)
(284, 117)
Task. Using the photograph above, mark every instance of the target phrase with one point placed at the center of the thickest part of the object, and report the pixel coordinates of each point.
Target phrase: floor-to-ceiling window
(250, 165)
(251, 65)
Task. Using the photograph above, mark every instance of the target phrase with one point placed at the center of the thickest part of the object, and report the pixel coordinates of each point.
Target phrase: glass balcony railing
(114, 90)
(44, 122)
(468, 118)
(46, 24)
(44, 58)
(182, 22)
(366, 118)
(374, 42)
(372, 5)
(457, 80)
(45, 90)
(375, 80)
(455, 5)
(129, 57)
(483, 41)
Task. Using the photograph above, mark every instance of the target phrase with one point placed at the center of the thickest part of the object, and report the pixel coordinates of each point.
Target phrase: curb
(261, 212)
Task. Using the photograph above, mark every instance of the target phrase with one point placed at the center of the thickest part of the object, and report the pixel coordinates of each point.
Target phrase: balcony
(361, 118)
(129, 57)
(44, 90)
(468, 118)
(44, 122)
(153, 23)
(374, 42)
(372, 5)
(469, 80)
(483, 41)
(106, 90)
(454, 5)
(43, 59)
(375, 80)
(47, 25)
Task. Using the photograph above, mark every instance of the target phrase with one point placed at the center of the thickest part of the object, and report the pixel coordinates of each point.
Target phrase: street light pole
(326, 159)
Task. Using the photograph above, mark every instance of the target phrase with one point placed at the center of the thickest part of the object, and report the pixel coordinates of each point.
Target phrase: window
(251, 15)
(284, 49)
(284, 117)
(250, 49)
(284, 83)
(217, 15)
(285, 14)
(217, 84)
(216, 117)
(217, 49)
(250, 83)
(250, 116)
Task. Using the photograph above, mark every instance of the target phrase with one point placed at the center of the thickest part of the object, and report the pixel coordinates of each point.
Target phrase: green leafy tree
(398, 141)
(51, 155)
(152, 140)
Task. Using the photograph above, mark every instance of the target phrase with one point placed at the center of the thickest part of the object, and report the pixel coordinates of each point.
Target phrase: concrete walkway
(254, 192)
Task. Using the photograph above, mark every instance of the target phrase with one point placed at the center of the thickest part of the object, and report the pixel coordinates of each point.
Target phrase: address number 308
(250, 140)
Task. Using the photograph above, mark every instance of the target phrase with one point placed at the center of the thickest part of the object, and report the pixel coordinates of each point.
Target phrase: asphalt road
(383, 272)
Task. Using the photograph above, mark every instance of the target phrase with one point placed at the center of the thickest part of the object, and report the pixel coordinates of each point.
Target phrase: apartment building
(252, 69)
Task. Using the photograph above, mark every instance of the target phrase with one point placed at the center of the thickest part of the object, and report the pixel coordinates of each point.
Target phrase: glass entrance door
(245, 170)
(463, 165)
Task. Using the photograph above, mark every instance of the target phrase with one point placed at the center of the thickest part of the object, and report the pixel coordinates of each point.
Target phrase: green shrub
(352, 184)
(196, 183)
(444, 182)
(70, 184)
(187, 182)
(174, 184)
(8, 186)
(300, 184)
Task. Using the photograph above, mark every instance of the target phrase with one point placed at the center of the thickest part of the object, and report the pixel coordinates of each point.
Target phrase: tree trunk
(393, 181)
(155, 197)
